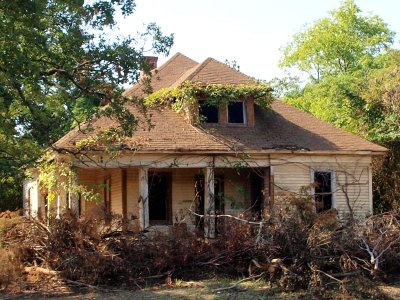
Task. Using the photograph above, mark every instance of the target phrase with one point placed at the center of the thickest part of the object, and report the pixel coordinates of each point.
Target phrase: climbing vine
(185, 97)
(58, 176)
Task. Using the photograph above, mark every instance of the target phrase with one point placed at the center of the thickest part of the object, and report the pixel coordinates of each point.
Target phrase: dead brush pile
(293, 248)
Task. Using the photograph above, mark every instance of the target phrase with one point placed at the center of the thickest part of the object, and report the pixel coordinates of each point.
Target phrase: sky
(251, 32)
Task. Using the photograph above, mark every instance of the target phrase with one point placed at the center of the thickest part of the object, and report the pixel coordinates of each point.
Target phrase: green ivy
(185, 97)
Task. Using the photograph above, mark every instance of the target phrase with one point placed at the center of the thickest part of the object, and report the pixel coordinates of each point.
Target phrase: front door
(160, 196)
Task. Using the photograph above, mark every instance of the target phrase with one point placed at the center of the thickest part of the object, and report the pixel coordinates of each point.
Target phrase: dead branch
(41, 270)
(330, 276)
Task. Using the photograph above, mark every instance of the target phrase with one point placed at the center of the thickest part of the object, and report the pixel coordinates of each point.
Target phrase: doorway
(160, 199)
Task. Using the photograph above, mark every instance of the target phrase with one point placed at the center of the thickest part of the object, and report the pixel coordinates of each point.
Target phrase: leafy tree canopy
(59, 61)
(337, 43)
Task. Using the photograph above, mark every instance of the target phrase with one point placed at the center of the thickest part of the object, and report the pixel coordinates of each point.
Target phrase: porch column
(271, 187)
(32, 198)
(143, 198)
(58, 205)
(209, 204)
(73, 199)
(268, 187)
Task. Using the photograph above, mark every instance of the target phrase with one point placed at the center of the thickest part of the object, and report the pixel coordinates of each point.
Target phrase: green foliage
(382, 96)
(58, 176)
(338, 43)
(185, 97)
(335, 99)
(59, 61)
(354, 84)
(10, 192)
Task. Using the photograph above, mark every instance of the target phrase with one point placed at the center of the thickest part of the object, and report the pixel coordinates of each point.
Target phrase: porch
(156, 198)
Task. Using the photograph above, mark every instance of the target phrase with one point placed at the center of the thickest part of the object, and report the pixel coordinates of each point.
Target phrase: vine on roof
(185, 97)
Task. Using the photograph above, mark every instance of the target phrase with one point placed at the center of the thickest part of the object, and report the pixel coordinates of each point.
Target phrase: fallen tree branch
(41, 270)
(330, 276)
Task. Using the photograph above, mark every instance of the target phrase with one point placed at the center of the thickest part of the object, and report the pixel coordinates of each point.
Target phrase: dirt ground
(206, 289)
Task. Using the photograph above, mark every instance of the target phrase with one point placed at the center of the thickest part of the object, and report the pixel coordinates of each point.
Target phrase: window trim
(333, 185)
(244, 114)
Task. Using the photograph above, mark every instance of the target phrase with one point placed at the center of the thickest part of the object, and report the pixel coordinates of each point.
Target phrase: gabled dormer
(210, 93)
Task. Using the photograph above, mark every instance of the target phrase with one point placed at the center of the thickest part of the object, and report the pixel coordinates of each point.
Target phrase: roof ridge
(199, 68)
(237, 71)
(172, 58)
(153, 72)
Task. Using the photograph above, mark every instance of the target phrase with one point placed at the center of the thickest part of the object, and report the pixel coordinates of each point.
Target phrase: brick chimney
(149, 63)
(152, 61)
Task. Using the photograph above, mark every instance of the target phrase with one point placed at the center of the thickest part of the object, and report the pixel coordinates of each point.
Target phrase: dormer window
(236, 113)
(208, 113)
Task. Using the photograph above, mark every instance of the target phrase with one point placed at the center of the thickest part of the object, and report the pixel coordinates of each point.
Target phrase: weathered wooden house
(239, 159)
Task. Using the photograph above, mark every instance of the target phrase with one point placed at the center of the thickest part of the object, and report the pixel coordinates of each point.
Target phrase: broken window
(236, 113)
(160, 196)
(209, 113)
(323, 190)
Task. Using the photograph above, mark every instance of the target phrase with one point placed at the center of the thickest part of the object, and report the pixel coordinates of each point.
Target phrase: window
(323, 195)
(236, 113)
(209, 113)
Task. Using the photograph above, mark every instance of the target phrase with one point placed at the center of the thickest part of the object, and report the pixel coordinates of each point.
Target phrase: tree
(382, 98)
(337, 43)
(58, 63)
(353, 84)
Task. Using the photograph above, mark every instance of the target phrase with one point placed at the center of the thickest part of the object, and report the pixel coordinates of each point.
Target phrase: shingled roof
(282, 128)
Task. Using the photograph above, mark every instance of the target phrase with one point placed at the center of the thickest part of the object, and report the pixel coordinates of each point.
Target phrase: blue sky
(252, 32)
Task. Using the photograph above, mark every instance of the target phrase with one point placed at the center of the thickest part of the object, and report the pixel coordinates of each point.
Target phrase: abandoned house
(240, 158)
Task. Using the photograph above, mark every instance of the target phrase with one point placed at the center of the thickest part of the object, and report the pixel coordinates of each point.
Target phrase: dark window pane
(323, 191)
(209, 112)
(236, 113)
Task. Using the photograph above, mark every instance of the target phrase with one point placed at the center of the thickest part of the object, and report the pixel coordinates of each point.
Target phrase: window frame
(244, 114)
(333, 185)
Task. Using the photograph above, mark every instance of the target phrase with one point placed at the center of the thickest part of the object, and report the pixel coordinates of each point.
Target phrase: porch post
(209, 204)
(73, 199)
(143, 198)
(58, 205)
(34, 197)
(271, 186)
